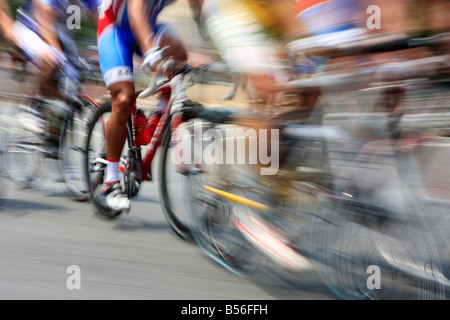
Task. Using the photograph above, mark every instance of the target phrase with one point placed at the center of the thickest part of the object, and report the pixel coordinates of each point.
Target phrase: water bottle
(145, 128)
(140, 124)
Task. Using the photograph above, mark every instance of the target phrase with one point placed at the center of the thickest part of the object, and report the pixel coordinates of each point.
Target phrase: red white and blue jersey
(116, 41)
(115, 12)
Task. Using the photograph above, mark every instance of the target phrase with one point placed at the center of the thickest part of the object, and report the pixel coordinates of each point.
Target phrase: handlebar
(183, 70)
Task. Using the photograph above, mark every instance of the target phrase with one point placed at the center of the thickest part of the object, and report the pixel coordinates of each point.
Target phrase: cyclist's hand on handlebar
(162, 61)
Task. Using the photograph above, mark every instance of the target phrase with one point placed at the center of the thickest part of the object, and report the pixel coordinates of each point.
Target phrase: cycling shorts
(116, 47)
(117, 44)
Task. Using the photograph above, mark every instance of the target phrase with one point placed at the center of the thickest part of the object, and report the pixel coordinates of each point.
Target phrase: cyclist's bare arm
(6, 22)
(137, 13)
(46, 18)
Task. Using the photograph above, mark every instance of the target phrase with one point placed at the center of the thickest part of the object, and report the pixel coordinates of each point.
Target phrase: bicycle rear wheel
(72, 149)
(95, 161)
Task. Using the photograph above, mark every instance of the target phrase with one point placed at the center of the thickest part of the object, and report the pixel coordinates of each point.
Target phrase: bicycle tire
(369, 229)
(23, 159)
(72, 144)
(176, 218)
(349, 242)
(3, 169)
(94, 170)
(213, 228)
(211, 220)
(332, 239)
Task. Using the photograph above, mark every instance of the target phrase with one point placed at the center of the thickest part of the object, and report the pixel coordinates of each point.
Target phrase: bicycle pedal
(196, 171)
(97, 168)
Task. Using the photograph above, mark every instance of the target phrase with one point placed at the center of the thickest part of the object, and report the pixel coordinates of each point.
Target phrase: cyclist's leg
(6, 22)
(61, 88)
(38, 52)
(116, 47)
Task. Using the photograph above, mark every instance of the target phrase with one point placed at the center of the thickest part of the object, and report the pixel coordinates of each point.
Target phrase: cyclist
(42, 33)
(52, 18)
(126, 27)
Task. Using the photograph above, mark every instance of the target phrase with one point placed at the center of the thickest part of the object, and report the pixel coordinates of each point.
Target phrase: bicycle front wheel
(72, 149)
(3, 168)
(172, 188)
(214, 229)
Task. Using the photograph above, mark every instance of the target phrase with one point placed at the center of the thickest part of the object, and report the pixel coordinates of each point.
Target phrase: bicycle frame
(176, 93)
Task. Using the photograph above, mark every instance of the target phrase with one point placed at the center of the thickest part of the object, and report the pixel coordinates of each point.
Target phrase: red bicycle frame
(166, 91)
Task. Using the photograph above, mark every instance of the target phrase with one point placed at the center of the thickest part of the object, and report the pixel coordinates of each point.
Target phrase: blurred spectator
(48, 18)
(42, 33)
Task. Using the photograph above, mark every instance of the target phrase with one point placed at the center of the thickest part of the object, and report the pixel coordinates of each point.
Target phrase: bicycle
(312, 215)
(135, 166)
(3, 172)
(28, 143)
